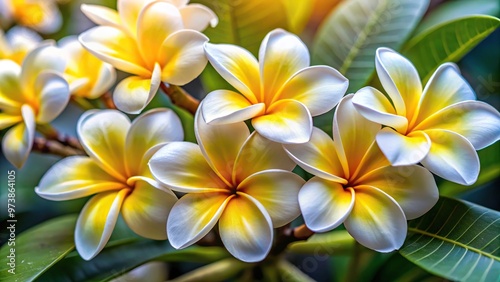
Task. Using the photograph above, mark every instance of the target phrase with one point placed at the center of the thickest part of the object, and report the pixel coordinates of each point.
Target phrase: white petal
(54, 94)
(403, 150)
(101, 15)
(226, 106)
(46, 57)
(197, 17)
(18, 141)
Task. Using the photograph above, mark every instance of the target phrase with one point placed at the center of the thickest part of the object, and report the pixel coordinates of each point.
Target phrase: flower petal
(97, 221)
(318, 156)
(452, 157)
(376, 221)
(238, 67)
(197, 17)
(182, 167)
(115, 47)
(259, 154)
(403, 150)
(319, 88)
(220, 144)
(129, 11)
(154, 127)
(413, 187)
(193, 216)
(400, 79)
(53, 91)
(11, 93)
(101, 15)
(182, 56)
(277, 191)
(246, 229)
(281, 55)
(375, 106)
(157, 20)
(325, 204)
(7, 120)
(46, 57)
(445, 88)
(146, 210)
(18, 141)
(75, 177)
(102, 135)
(134, 93)
(286, 122)
(226, 106)
(477, 121)
(352, 134)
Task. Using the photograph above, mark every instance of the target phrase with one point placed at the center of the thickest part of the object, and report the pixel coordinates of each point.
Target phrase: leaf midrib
(415, 230)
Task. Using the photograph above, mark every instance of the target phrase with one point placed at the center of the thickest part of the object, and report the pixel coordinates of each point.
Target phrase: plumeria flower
(156, 41)
(17, 43)
(88, 76)
(356, 185)
(440, 126)
(35, 93)
(241, 180)
(279, 93)
(41, 15)
(116, 171)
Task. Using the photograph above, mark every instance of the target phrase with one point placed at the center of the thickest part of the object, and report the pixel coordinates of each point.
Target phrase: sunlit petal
(238, 67)
(318, 156)
(75, 177)
(376, 221)
(146, 210)
(226, 106)
(7, 120)
(101, 15)
(53, 92)
(97, 221)
(375, 106)
(129, 11)
(403, 149)
(281, 55)
(286, 122)
(193, 216)
(18, 141)
(246, 229)
(44, 58)
(452, 157)
(277, 191)
(197, 17)
(11, 94)
(182, 166)
(325, 204)
(319, 88)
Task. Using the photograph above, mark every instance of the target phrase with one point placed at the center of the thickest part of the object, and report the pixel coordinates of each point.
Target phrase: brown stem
(287, 235)
(65, 140)
(53, 147)
(108, 100)
(180, 97)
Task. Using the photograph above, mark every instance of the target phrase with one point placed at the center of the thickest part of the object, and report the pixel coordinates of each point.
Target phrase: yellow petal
(402, 149)
(226, 106)
(286, 122)
(373, 159)
(97, 221)
(193, 216)
(102, 134)
(18, 141)
(11, 93)
(7, 120)
(75, 177)
(246, 229)
(129, 11)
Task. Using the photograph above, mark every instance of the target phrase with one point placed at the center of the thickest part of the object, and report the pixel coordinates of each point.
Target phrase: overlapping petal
(101, 15)
(44, 58)
(452, 157)
(97, 221)
(376, 221)
(245, 228)
(18, 141)
(198, 17)
(286, 122)
(11, 93)
(325, 204)
(75, 177)
(193, 216)
(7, 120)
(226, 106)
(277, 191)
(53, 94)
(403, 149)
(129, 11)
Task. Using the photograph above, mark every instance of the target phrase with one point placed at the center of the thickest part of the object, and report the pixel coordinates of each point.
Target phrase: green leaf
(38, 248)
(117, 260)
(406, 271)
(456, 9)
(290, 272)
(348, 38)
(447, 42)
(457, 240)
(329, 243)
(217, 271)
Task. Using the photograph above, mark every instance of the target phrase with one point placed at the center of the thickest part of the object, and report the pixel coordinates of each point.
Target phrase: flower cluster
(236, 179)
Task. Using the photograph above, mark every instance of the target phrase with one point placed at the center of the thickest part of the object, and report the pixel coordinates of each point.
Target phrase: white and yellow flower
(35, 93)
(116, 171)
(88, 76)
(279, 93)
(41, 15)
(241, 180)
(356, 185)
(17, 43)
(156, 41)
(440, 126)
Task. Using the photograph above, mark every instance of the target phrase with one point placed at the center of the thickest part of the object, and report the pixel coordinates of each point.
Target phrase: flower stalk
(54, 147)
(180, 97)
(64, 140)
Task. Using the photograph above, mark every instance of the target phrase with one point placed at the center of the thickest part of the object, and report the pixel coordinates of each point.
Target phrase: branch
(180, 97)
(53, 147)
(108, 100)
(65, 140)
(287, 235)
